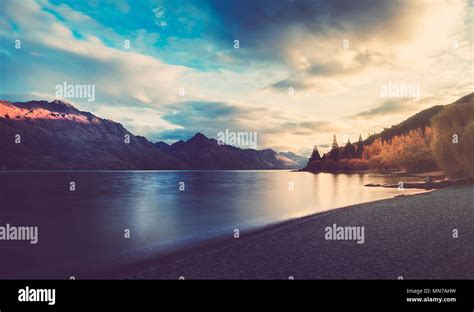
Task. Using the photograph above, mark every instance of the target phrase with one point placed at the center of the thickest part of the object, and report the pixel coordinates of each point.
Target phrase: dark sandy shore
(408, 236)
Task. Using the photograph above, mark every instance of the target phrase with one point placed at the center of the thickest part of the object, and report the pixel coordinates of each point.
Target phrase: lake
(116, 217)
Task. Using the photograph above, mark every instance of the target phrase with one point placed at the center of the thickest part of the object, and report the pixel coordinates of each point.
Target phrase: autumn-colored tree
(356, 164)
(409, 152)
(372, 150)
(453, 143)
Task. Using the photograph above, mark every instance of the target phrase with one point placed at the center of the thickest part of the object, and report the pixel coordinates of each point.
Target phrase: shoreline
(297, 247)
(428, 185)
(440, 180)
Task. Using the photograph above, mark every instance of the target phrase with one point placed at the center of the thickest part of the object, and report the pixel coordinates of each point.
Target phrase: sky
(293, 71)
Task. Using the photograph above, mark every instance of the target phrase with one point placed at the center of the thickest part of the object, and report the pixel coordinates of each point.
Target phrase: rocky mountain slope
(43, 135)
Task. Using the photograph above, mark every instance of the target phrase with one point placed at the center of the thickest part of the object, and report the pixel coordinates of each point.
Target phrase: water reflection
(84, 230)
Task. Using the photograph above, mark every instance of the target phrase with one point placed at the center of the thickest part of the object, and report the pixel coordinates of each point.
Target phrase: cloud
(308, 37)
(119, 75)
(302, 127)
(307, 33)
(387, 107)
(138, 119)
(291, 83)
(316, 17)
(211, 117)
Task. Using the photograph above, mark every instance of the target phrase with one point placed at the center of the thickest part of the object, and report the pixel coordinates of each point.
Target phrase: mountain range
(41, 135)
(200, 152)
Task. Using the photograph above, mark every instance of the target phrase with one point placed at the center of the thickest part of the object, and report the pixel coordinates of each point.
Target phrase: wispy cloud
(387, 107)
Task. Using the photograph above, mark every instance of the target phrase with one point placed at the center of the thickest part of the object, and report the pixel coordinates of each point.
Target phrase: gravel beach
(424, 236)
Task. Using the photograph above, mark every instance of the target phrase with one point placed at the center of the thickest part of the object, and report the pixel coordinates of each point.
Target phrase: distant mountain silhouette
(41, 135)
(200, 152)
(300, 161)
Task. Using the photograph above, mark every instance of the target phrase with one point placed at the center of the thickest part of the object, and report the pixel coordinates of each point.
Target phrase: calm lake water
(82, 232)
